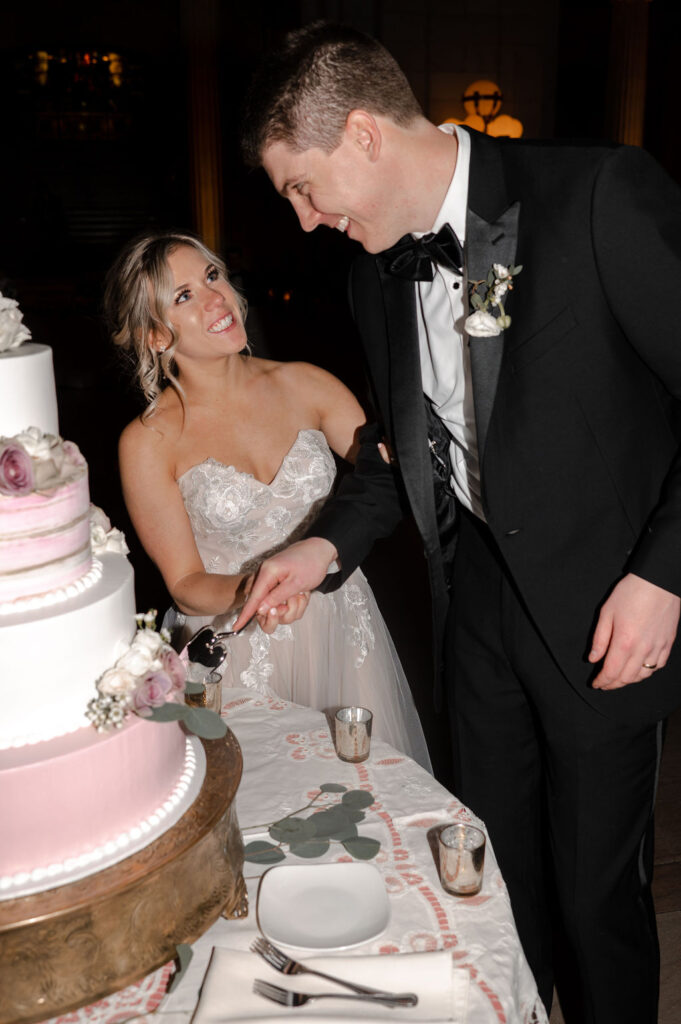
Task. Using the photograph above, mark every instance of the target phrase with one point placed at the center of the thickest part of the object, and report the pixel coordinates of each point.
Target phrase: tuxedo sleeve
(366, 506)
(637, 244)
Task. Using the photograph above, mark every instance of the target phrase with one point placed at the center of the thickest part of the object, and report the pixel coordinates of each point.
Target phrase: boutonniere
(490, 292)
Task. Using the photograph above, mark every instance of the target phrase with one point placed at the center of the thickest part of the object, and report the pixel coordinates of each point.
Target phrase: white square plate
(322, 906)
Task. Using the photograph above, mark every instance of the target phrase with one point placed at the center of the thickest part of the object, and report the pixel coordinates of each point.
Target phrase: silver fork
(287, 998)
(281, 962)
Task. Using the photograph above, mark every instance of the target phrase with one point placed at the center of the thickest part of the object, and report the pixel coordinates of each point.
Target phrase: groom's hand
(297, 569)
(636, 628)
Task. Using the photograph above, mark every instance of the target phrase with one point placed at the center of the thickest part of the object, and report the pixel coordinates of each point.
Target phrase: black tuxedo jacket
(575, 403)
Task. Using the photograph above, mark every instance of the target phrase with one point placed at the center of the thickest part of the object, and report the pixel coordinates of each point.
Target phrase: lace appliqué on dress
(360, 635)
(259, 669)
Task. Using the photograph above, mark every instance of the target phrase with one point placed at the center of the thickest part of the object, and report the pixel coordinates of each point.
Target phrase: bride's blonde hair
(138, 294)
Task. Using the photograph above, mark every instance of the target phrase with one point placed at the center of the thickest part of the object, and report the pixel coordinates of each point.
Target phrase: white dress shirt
(442, 306)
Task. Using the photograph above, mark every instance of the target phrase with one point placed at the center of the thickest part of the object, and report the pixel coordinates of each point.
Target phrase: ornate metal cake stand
(67, 947)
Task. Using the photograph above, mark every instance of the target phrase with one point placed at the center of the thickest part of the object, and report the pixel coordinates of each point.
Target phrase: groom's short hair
(303, 92)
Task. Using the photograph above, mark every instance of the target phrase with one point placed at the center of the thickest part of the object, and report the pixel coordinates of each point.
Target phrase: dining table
(290, 772)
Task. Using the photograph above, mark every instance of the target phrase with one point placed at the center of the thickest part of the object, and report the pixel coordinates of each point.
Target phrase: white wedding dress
(340, 652)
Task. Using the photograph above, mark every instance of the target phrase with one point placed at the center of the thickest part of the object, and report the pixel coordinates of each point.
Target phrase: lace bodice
(238, 521)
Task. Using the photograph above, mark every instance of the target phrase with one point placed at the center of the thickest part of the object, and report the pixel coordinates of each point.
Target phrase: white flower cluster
(103, 536)
(141, 657)
(54, 461)
(12, 331)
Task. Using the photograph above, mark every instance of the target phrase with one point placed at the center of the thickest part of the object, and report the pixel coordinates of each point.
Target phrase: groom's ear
(363, 132)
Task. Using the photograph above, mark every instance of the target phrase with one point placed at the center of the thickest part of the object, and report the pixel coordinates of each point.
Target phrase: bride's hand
(284, 614)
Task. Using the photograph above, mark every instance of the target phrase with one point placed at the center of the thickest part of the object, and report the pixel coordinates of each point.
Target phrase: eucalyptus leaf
(310, 848)
(490, 278)
(169, 712)
(362, 847)
(358, 798)
(516, 270)
(354, 815)
(332, 787)
(260, 852)
(345, 832)
(184, 958)
(329, 822)
(290, 830)
(205, 723)
(476, 301)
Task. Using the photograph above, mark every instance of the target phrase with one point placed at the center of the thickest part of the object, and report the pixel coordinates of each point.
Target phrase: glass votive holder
(462, 859)
(353, 734)
(213, 691)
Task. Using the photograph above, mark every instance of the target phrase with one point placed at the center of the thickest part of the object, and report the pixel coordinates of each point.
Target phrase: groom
(546, 447)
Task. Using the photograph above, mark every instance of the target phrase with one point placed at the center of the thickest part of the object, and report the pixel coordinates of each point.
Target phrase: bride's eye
(182, 296)
(212, 274)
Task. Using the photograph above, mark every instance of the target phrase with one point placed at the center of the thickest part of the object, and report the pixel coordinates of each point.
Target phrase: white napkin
(227, 992)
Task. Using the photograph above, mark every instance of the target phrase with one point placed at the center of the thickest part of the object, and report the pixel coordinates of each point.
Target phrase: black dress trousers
(567, 796)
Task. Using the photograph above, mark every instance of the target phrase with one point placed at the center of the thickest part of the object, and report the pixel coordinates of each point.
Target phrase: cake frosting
(72, 800)
(44, 515)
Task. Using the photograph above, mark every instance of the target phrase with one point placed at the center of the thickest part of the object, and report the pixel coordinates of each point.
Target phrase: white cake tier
(27, 392)
(51, 658)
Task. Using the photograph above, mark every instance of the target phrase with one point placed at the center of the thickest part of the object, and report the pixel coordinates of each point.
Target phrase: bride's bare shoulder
(152, 434)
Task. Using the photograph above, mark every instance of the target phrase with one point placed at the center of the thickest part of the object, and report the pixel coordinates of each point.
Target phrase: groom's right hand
(299, 568)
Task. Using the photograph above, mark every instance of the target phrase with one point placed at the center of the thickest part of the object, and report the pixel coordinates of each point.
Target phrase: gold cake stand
(68, 947)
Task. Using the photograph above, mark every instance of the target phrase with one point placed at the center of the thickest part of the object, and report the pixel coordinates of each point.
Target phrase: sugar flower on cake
(103, 536)
(16, 469)
(34, 461)
(147, 675)
(12, 331)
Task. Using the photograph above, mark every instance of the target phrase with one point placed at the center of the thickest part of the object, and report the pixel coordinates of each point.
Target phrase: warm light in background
(482, 102)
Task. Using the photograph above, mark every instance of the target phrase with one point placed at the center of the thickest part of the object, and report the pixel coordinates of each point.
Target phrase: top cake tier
(27, 391)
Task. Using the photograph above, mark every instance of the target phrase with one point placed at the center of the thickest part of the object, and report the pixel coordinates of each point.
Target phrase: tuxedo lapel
(410, 430)
(491, 237)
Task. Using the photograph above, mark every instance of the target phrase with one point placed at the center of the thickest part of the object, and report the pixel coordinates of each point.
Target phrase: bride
(231, 461)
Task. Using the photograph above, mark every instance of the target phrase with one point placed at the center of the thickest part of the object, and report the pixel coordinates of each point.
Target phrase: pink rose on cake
(175, 668)
(155, 690)
(16, 469)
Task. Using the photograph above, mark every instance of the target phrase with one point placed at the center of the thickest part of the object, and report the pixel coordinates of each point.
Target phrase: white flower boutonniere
(490, 292)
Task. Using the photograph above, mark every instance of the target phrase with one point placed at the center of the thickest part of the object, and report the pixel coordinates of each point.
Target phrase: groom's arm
(367, 506)
(637, 245)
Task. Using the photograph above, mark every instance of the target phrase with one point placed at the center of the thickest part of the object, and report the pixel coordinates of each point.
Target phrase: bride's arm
(157, 511)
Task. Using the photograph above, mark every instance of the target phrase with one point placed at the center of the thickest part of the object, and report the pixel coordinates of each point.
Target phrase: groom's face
(341, 190)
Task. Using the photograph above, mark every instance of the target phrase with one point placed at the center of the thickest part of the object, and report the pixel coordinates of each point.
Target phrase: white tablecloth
(288, 754)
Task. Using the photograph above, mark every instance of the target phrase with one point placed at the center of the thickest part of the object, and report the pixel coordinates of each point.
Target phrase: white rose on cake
(103, 536)
(12, 331)
(116, 682)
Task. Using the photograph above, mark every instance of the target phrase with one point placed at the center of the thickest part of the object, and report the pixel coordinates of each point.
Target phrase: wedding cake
(73, 799)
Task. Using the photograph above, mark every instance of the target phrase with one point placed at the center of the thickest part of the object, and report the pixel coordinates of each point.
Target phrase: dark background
(87, 162)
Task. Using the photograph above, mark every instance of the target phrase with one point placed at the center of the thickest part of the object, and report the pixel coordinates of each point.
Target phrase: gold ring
(646, 665)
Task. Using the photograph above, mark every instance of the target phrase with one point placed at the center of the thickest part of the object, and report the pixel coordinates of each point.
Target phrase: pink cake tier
(79, 803)
(45, 539)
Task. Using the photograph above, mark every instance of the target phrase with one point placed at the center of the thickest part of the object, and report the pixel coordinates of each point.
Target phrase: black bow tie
(413, 258)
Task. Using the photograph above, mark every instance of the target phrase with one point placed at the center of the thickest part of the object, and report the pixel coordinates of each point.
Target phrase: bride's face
(204, 310)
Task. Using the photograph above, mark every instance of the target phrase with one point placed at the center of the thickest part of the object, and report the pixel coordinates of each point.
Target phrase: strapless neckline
(240, 472)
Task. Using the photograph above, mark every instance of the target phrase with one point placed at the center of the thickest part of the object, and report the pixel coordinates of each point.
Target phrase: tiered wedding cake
(73, 800)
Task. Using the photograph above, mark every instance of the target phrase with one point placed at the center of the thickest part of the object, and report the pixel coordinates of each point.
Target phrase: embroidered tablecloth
(288, 754)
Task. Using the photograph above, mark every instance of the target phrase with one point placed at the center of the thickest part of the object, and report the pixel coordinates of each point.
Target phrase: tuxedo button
(512, 533)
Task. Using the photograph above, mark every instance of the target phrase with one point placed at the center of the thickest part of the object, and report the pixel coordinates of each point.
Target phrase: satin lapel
(488, 243)
(406, 397)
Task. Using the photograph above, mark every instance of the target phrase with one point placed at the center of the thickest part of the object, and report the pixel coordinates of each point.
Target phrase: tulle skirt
(337, 655)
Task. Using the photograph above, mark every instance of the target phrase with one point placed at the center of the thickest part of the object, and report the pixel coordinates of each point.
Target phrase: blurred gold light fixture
(482, 102)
